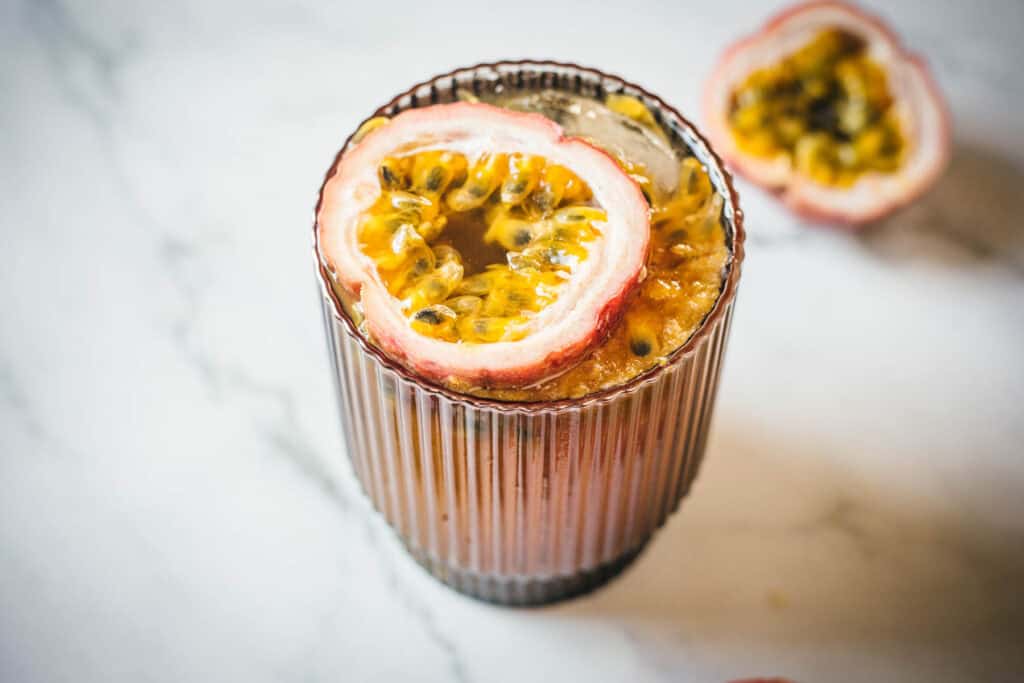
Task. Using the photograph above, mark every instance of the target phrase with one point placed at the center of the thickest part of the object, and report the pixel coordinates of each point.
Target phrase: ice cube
(618, 135)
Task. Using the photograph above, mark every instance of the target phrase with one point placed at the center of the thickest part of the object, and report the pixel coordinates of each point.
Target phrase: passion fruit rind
(874, 140)
(586, 304)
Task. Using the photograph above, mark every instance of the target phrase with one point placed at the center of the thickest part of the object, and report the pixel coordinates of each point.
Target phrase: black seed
(434, 178)
(388, 178)
(421, 266)
(477, 190)
(677, 236)
(522, 237)
(543, 200)
(516, 188)
(640, 347)
(821, 115)
(428, 316)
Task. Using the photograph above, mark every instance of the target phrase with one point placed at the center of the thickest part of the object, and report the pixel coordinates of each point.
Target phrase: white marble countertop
(175, 504)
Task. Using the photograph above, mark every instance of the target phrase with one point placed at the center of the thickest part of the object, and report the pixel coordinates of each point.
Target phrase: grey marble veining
(175, 503)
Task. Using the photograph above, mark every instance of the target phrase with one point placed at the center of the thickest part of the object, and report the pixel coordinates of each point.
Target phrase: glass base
(524, 591)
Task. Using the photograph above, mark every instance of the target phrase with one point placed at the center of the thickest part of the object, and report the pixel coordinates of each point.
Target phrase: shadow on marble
(975, 208)
(778, 544)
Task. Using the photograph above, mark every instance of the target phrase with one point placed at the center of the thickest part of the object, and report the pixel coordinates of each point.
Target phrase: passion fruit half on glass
(482, 246)
(826, 108)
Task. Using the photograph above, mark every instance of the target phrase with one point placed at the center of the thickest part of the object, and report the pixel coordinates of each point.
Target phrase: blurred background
(175, 503)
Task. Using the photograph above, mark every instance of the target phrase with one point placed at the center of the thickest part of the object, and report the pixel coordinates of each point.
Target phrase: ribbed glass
(525, 503)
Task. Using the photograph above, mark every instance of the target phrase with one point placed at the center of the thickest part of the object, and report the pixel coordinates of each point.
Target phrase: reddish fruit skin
(821, 209)
(541, 354)
(556, 361)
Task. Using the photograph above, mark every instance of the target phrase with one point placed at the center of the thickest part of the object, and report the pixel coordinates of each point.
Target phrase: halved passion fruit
(825, 107)
(481, 245)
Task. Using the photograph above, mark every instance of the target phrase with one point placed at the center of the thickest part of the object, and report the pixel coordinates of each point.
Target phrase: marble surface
(175, 504)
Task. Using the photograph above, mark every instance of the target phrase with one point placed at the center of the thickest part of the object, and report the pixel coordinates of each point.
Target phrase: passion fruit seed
(484, 178)
(428, 316)
(640, 346)
(434, 321)
(557, 186)
(634, 109)
(827, 106)
(537, 212)
(524, 174)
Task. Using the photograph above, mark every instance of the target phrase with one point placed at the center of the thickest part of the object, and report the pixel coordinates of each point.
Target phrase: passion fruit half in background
(480, 245)
(825, 107)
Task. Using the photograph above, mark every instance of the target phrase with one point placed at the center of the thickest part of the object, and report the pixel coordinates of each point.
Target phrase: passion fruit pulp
(438, 213)
(825, 107)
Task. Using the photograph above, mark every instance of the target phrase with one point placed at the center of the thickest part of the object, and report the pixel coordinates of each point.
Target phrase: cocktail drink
(528, 271)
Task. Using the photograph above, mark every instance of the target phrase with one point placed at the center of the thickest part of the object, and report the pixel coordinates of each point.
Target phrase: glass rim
(698, 146)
